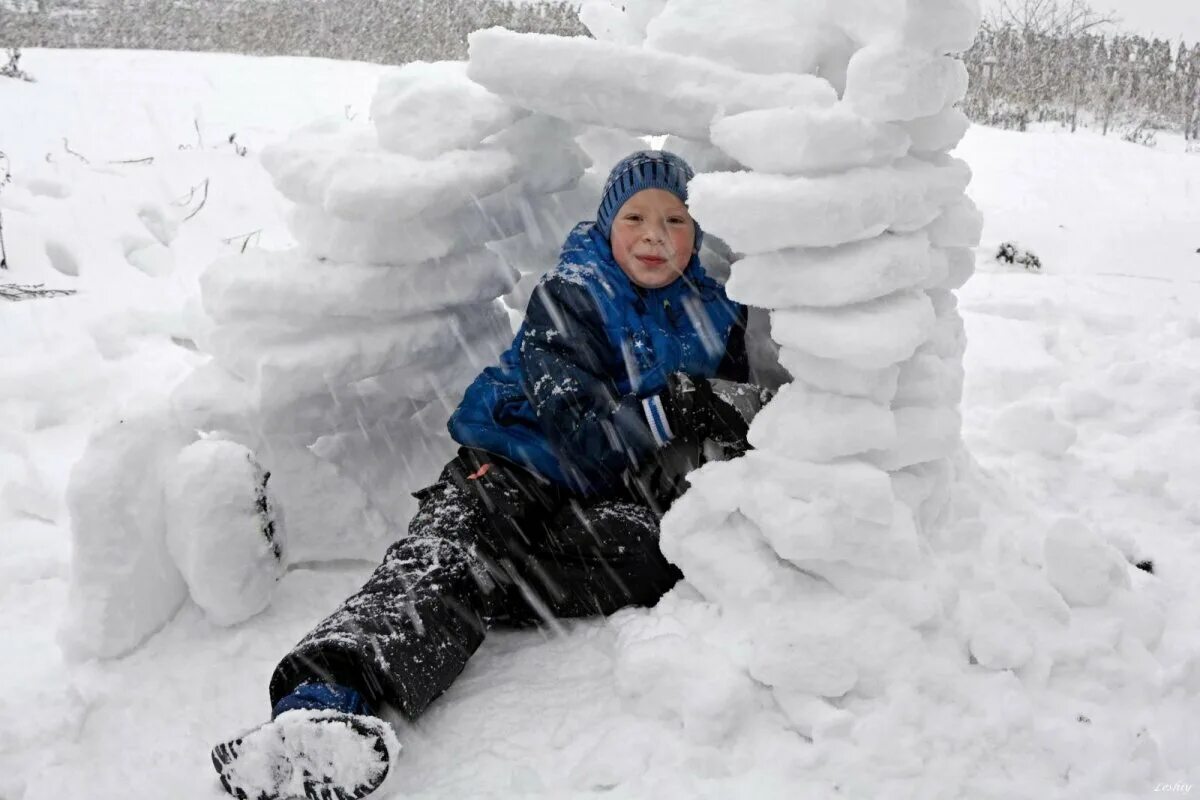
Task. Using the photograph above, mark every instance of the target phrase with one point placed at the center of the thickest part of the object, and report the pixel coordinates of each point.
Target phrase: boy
(572, 448)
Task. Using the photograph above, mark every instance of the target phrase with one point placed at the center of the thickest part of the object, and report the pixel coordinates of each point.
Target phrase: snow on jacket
(576, 398)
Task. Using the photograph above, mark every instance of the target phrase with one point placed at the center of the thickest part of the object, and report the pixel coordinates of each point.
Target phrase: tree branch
(67, 147)
(203, 200)
(16, 292)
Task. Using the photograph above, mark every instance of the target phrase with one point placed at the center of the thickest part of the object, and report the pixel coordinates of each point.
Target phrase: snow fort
(848, 625)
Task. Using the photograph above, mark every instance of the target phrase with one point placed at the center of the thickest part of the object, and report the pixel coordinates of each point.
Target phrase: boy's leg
(599, 557)
(400, 640)
(408, 632)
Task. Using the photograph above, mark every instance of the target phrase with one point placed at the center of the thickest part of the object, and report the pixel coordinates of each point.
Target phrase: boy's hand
(709, 419)
(696, 412)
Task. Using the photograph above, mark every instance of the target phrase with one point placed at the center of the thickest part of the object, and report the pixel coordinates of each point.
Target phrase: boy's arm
(735, 366)
(598, 432)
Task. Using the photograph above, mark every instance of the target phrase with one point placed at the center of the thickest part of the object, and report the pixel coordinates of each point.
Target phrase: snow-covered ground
(1081, 400)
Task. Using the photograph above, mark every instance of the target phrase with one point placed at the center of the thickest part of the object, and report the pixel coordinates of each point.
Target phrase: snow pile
(124, 583)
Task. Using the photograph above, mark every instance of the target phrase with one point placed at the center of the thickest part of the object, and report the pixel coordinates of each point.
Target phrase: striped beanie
(645, 169)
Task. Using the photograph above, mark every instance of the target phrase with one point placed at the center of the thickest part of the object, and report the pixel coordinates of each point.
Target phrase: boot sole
(325, 755)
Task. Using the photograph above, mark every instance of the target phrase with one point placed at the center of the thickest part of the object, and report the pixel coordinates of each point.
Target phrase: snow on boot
(223, 530)
(320, 755)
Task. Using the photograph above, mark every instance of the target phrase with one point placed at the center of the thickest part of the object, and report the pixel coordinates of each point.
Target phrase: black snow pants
(489, 545)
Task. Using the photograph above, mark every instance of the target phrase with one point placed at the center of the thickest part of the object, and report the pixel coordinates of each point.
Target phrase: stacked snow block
(339, 361)
(854, 231)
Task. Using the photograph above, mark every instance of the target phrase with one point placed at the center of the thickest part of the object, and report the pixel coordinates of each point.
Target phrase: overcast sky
(1169, 19)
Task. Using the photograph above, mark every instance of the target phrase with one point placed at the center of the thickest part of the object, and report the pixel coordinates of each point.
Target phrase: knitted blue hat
(645, 169)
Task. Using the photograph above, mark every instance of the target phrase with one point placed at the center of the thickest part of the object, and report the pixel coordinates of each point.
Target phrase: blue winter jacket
(576, 396)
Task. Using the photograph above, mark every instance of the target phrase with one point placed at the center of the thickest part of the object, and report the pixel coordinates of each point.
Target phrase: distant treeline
(382, 31)
(1129, 83)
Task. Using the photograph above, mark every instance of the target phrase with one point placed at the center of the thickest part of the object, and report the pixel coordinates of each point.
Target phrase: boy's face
(652, 238)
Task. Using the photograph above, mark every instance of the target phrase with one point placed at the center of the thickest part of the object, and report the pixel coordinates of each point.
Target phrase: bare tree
(1059, 19)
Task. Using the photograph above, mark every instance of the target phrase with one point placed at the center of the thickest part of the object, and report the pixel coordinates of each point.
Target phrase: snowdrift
(844, 627)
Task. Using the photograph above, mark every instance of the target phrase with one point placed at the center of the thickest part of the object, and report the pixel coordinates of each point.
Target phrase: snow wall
(847, 626)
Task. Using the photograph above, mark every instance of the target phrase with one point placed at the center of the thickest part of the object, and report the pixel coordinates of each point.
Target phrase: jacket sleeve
(566, 367)
(735, 366)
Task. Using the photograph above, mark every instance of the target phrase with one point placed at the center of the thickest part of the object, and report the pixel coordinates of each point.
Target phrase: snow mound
(124, 582)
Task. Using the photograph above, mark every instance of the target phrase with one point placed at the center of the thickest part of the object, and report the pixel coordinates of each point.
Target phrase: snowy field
(1081, 400)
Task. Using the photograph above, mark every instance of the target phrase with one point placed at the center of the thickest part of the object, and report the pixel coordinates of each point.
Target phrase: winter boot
(315, 747)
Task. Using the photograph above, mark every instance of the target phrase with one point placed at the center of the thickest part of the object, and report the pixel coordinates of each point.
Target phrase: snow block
(803, 532)
(434, 234)
(878, 385)
(729, 563)
(277, 359)
(387, 187)
(922, 434)
(889, 83)
(762, 36)
(927, 380)
(938, 132)
(263, 283)
(676, 677)
(832, 276)
(1084, 568)
(960, 225)
(960, 266)
(546, 152)
(941, 26)
(224, 531)
(124, 585)
(800, 141)
(615, 82)
(948, 339)
(835, 425)
(427, 109)
(761, 213)
(211, 398)
(867, 20)
(836, 645)
(863, 490)
(353, 179)
(301, 165)
(871, 335)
